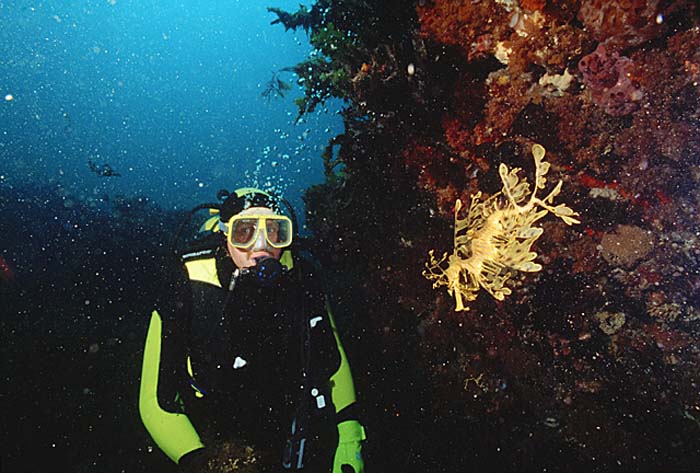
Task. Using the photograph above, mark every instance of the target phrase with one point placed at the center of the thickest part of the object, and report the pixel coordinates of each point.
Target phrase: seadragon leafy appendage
(495, 237)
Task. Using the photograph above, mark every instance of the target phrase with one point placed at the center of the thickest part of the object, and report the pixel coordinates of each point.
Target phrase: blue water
(168, 93)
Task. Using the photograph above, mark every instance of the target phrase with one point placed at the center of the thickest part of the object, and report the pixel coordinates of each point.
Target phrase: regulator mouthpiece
(266, 270)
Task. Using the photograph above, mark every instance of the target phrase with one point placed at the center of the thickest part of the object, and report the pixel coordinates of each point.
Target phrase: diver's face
(245, 257)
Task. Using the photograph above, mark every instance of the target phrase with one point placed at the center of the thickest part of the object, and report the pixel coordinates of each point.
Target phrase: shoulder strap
(200, 263)
(203, 270)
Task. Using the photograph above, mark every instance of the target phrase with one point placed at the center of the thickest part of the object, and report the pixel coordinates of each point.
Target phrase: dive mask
(242, 231)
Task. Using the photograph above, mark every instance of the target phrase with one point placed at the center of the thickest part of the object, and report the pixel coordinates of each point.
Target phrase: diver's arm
(350, 431)
(336, 369)
(162, 373)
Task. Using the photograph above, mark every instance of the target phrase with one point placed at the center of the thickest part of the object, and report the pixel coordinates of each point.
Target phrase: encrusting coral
(497, 235)
(626, 245)
(607, 77)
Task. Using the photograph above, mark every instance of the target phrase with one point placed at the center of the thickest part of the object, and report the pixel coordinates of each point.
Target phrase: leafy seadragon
(496, 236)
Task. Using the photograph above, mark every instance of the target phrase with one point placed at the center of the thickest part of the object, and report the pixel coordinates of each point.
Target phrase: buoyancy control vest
(320, 373)
(266, 362)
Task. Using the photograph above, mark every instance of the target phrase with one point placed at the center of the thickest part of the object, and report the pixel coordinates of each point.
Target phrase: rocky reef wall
(594, 361)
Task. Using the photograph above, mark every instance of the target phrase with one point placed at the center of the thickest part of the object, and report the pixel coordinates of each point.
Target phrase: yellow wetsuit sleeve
(172, 432)
(342, 384)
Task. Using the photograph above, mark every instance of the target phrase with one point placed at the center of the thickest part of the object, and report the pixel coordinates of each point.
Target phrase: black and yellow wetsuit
(227, 358)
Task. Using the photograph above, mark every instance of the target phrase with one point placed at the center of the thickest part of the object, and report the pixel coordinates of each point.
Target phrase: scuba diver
(105, 170)
(242, 350)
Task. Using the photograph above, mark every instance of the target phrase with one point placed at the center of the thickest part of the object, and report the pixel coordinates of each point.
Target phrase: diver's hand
(348, 455)
(195, 461)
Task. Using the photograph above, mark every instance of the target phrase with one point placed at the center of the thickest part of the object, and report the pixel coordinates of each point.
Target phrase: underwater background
(375, 117)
